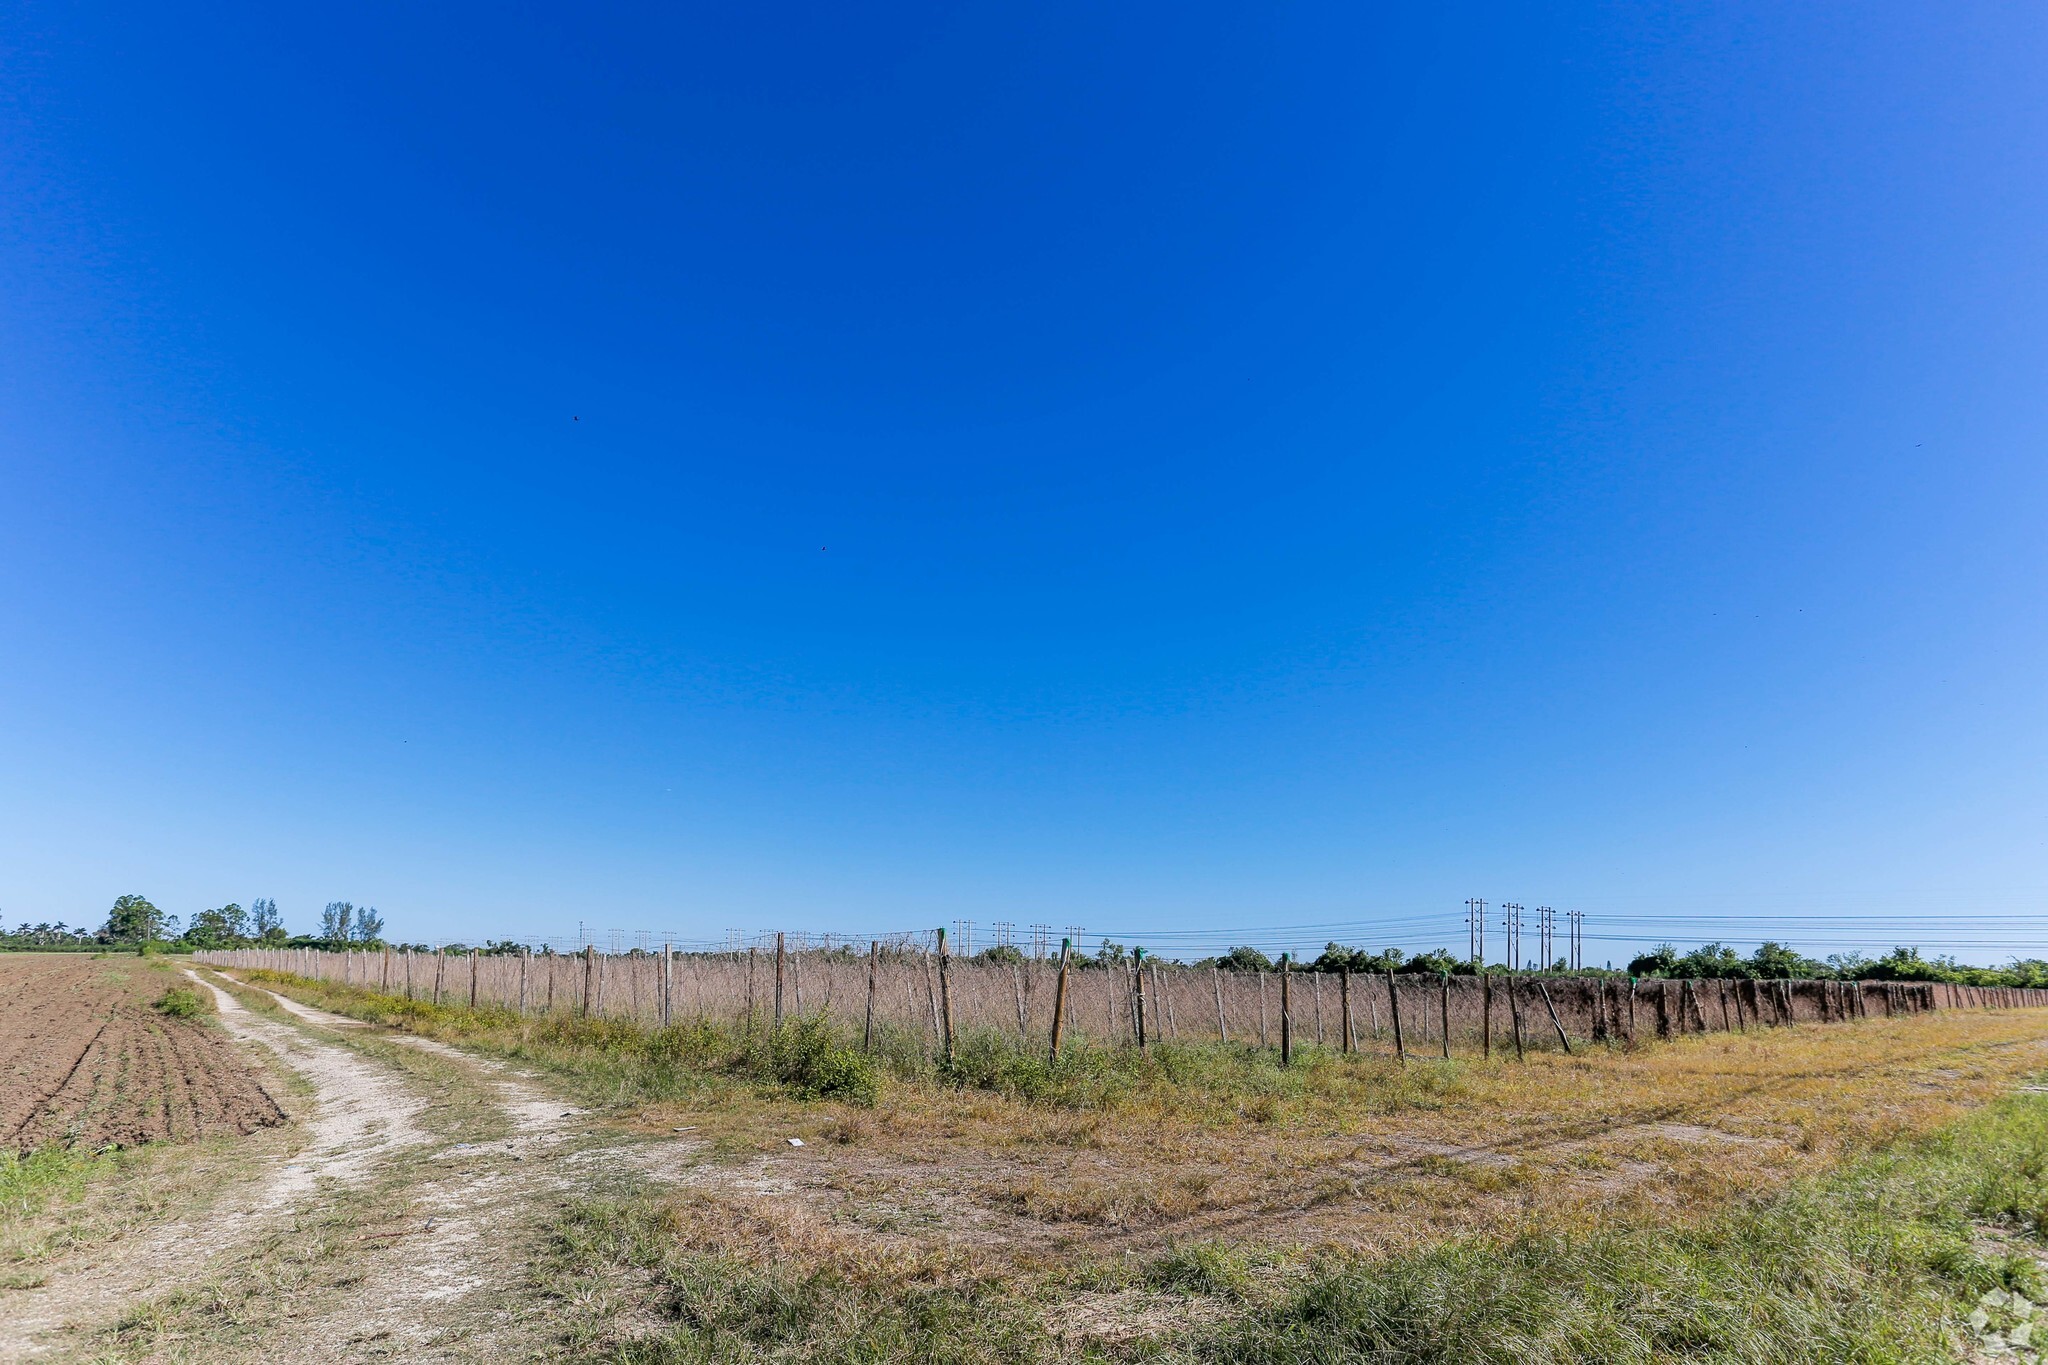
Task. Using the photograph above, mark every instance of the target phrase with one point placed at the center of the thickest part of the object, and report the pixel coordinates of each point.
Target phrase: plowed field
(85, 1058)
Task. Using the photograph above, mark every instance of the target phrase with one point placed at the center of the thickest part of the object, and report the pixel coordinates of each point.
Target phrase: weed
(184, 1002)
(717, 1306)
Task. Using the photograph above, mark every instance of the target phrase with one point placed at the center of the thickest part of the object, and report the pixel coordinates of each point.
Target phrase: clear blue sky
(1139, 466)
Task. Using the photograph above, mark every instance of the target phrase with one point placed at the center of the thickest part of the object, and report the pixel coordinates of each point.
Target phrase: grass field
(1205, 1203)
(559, 1189)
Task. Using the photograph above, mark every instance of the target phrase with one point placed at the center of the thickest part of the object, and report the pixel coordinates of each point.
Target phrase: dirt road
(399, 1225)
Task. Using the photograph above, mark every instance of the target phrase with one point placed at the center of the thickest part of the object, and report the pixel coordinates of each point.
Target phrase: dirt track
(86, 1059)
(439, 1166)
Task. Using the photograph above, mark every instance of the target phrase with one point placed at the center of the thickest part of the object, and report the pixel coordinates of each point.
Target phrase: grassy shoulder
(1879, 1261)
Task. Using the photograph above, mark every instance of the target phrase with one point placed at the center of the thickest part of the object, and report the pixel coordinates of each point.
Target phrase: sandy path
(459, 1268)
(363, 1113)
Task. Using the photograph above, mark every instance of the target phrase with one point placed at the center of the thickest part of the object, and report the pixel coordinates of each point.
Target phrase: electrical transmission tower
(1575, 923)
(1546, 935)
(1041, 940)
(963, 937)
(1475, 930)
(1511, 926)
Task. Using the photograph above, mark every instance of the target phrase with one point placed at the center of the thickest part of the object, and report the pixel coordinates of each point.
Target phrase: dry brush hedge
(910, 989)
(87, 1058)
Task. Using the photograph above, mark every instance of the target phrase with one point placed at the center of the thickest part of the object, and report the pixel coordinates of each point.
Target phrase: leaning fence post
(589, 976)
(1394, 1008)
(440, 971)
(1286, 1011)
(1561, 1037)
(1216, 980)
(1059, 997)
(867, 1033)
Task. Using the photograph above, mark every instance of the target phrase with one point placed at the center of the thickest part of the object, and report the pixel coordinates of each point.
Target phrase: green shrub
(812, 1061)
(184, 1002)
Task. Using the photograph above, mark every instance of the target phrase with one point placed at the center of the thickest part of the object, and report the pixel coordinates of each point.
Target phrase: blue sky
(1154, 468)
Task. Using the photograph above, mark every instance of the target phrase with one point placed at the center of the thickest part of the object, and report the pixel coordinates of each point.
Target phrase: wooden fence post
(1017, 990)
(1344, 1004)
(1394, 1008)
(1059, 997)
(1286, 1011)
(1447, 1015)
(946, 996)
(1138, 994)
(1216, 980)
(1515, 1013)
(472, 980)
(1562, 1037)
(1317, 982)
(525, 961)
(440, 970)
(753, 956)
(780, 961)
(867, 1033)
(1264, 1039)
(1485, 1013)
(589, 977)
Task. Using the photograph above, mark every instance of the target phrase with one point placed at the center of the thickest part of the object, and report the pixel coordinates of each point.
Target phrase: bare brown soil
(87, 1059)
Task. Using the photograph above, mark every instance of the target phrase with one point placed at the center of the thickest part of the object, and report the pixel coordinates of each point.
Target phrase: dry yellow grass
(1368, 1155)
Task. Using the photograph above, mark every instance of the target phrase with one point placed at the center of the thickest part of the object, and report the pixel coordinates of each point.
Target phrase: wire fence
(933, 995)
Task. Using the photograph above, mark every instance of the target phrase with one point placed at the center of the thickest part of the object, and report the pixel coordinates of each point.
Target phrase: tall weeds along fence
(929, 995)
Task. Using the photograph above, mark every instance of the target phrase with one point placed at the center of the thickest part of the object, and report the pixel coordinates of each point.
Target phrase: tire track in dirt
(459, 1268)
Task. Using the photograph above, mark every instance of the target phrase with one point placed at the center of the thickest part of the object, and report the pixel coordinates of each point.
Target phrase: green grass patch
(712, 1307)
(29, 1181)
(1879, 1262)
(185, 1002)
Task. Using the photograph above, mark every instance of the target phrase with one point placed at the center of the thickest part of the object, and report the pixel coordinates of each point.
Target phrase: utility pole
(1546, 924)
(963, 930)
(1475, 930)
(1511, 926)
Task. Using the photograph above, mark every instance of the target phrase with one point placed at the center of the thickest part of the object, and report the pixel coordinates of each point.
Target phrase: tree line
(136, 921)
